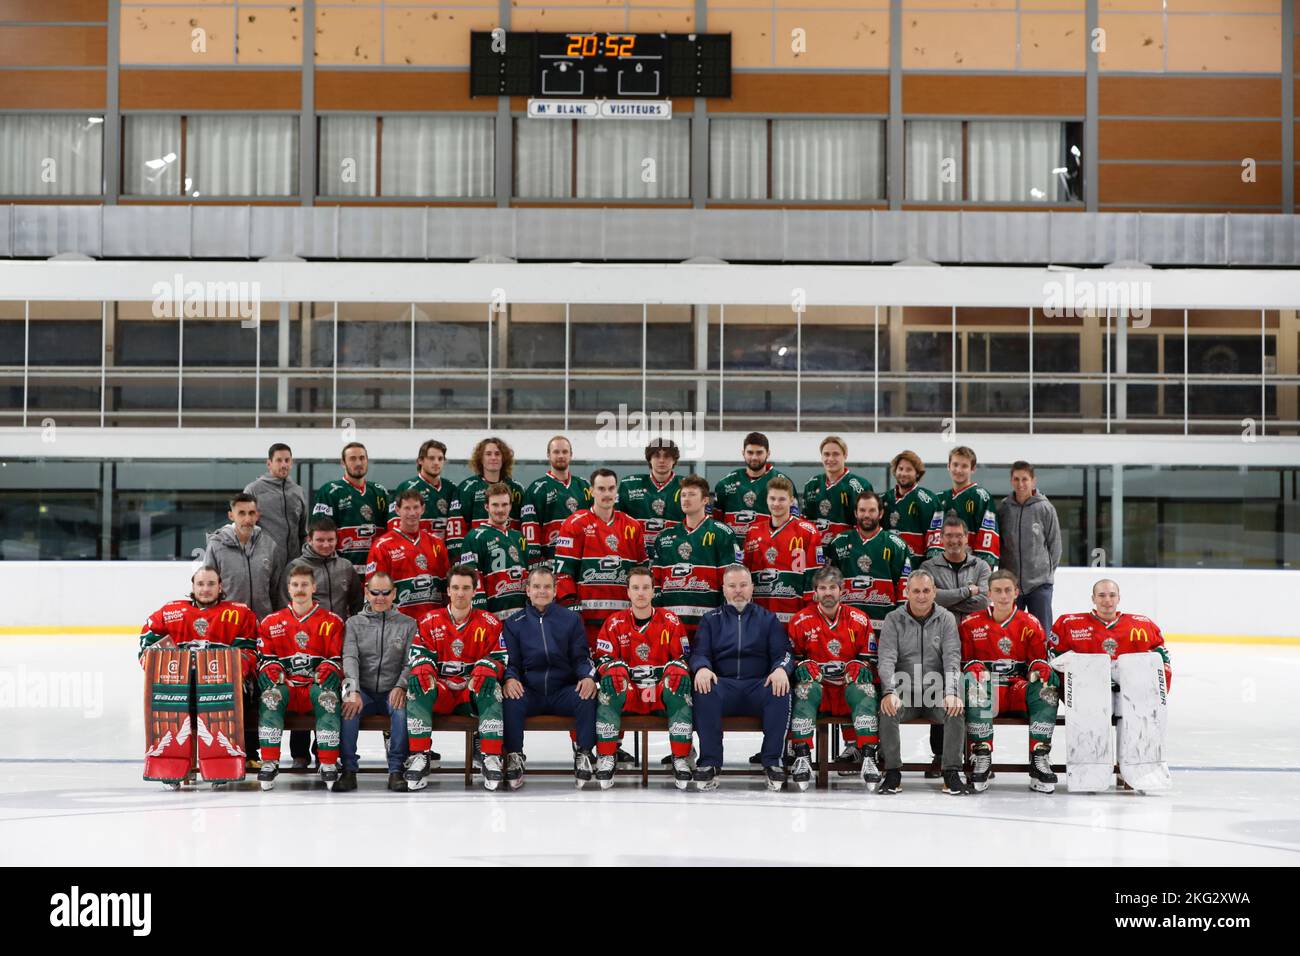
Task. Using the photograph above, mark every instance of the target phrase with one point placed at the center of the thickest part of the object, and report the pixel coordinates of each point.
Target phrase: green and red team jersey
(592, 558)
(976, 509)
(184, 623)
(469, 510)
(688, 565)
(739, 500)
(501, 558)
(547, 504)
(361, 513)
(437, 504)
(875, 570)
(418, 567)
(909, 516)
(654, 506)
(1127, 634)
(305, 647)
(453, 649)
(832, 506)
(782, 561)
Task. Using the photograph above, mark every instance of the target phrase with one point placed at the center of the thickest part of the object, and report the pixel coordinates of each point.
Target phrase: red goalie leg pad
(220, 723)
(169, 730)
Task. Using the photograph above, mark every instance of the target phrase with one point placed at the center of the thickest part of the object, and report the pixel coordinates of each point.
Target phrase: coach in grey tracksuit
(338, 586)
(1031, 543)
(920, 667)
(960, 584)
(251, 569)
(282, 510)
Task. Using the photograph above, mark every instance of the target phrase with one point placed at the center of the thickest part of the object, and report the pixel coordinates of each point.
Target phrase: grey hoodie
(952, 588)
(338, 586)
(914, 653)
(282, 511)
(250, 574)
(1031, 540)
(374, 651)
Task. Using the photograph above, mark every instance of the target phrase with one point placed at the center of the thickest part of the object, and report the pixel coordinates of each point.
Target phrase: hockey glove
(1039, 670)
(482, 671)
(856, 671)
(273, 671)
(328, 670)
(674, 673)
(806, 671)
(977, 670)
(424, 677)
(617, 673)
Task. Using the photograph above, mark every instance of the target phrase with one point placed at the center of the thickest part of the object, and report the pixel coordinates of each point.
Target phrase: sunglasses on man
(384, 593)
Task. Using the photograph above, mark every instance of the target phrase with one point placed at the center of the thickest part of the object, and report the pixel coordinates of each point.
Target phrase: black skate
(981, 767)
(582, 772)
(775, 778)
(870, 769)
(492, 774)
(802, 772)
(266, 776)
(682, 773)
(706, 778)
(417, 767)
(515, 770)
(1041, 777)
(605, 766)
(851, 755)
(329, 774)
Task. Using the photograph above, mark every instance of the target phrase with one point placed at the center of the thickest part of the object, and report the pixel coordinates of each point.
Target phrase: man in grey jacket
(375, 671)
(1031, 542)
(280, 501)
(338, 586)
(249, 561)
(920, 676)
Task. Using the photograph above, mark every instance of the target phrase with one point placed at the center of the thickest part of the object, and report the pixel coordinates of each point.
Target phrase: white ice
(71, 793)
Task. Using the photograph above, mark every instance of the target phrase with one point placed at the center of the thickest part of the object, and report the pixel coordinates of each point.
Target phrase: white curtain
(51, 154)
(931, 144)
(613, 154)
(828, 159)
(543, 158)
(737, 159)
(445, 156)
(151, 163)
(347, 156)
(1012, 161)
(241, 155)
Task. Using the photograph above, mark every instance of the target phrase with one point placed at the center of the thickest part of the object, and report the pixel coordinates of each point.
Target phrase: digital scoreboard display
(600, 65)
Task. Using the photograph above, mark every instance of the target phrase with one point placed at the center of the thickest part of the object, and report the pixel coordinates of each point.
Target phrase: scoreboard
(600, 65)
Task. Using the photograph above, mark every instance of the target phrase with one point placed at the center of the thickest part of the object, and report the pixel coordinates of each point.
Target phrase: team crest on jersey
(771, 555)
(611, 542)
(299, 663)
(1004, 645)
(893, 519)
(684, 550)
(834, 646)
(442, 506)
(366, 512)
(658, 506)
(1110, 646)
(824, 506)
(571, 504)
(201, 626)
(422, 562)
(513, 552)
(864, 563)
(749, 498)
(457, 646)
(301, 639)
(643, 652)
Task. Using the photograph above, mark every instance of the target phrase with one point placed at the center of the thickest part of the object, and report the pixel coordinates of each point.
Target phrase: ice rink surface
(71, 793)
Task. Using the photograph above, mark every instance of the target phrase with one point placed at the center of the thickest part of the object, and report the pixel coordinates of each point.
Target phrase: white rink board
(112, 595)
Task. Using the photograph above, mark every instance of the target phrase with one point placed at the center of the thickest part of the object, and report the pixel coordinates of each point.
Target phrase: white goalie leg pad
(1142, 706)
(1086, 699)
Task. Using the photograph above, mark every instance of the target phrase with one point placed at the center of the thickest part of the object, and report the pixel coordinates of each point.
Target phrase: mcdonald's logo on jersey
(326, 628)
(1026, 633)
(970, 507)
(884, 553)
(229, 614)
(1139, 634)
(708, 539)
(796, 544)
(478, 633)
(665, 636)
(630, 531)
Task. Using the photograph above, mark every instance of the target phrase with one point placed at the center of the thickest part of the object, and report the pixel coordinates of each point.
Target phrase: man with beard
(908, 507)
(492, 461)
(653, 499)
(437, 492)
(551, 500)
(740, 498)
(358, 508)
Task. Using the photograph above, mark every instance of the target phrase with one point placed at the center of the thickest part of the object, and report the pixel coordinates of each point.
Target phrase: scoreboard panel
(600, 65)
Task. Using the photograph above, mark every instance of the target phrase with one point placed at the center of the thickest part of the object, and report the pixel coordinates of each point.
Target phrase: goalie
(457, 661)
(300, 671)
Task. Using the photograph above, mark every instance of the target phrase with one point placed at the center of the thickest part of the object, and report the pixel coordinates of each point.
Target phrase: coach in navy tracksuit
(548, 671)
(741, 661)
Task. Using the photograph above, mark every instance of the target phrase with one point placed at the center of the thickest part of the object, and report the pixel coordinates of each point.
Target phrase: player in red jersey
(1004, 651)
(1107, 630)
(641, 660)
(835, 646)
(781, 552)
(457, 661)
(594, 550)
(206, 617)
(299, 671)
(415, 559)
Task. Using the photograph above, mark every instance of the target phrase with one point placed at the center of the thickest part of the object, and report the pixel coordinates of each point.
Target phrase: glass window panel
(374, 401)
(318, 334)
(1014, 161)
(445, 399)
(209, 400)
(374, 335)
(605, 337)
(634, 159)
(445, 156)
(933, 161)
(218, 343)
(535, 336)
(63, 395)
(527, 402)
(829, 160)
(670, 337)
(543, 159)
(51, 154)
(141, 401)
(347, 156)
(241, 155)
(66, 333)
(451, 335)
(11, 399)
(589, 397)
(738, 159)
(151, 155)
(37, 524)
(140, 339)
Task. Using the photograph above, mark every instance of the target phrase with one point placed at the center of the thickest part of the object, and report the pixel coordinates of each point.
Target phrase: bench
(641, 726)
